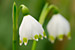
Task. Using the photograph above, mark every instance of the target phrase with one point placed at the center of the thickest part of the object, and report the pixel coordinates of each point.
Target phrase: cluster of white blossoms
(57, 27)
(30, 29)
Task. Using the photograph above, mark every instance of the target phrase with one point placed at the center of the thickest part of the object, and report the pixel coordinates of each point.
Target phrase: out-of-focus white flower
(57, 27)
(30, 29)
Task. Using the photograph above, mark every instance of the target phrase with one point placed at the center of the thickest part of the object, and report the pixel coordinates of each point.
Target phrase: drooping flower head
(57, 27)
(30, 29)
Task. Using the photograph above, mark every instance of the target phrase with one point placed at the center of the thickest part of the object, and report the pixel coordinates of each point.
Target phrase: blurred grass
(67, 9)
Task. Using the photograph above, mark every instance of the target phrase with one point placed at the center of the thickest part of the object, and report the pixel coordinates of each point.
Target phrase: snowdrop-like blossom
(30, 29)
(57, 27)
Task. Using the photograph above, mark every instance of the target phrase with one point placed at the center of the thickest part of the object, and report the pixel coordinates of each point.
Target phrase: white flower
(30, 29)
(57, 27)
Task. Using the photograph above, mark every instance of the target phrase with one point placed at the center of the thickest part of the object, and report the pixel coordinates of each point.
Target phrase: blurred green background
(67, 9)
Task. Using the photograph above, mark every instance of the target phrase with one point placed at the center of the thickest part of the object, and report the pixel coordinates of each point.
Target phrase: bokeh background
(66, 7)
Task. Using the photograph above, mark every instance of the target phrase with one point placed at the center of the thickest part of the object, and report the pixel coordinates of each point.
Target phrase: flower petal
(25, 40)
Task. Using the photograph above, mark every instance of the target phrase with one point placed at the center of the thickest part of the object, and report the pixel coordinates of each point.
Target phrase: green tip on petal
(25, 41)
(40, 36)
(69, 35)
(20, 42)
(36, 37)
(60, 37)
(44, 34)
(25, 10)
(51, 39)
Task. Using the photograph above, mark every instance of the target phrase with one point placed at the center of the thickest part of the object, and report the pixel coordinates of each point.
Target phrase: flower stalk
(41, 21)
(34, 45)
(45, 12)
(15, 25)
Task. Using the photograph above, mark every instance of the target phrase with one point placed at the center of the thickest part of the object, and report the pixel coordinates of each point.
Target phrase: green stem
(34, 45)
(43, 16)
(54, 8)
(15, 25)
(46, 11)
(43, 12)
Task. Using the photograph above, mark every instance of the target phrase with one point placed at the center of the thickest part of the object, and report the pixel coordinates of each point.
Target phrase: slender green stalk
(46, 11)
(43, 12)
(54, 8)
(34, 45)
(15, 25)
(43, 15)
